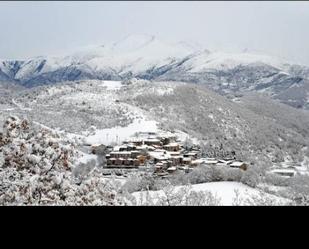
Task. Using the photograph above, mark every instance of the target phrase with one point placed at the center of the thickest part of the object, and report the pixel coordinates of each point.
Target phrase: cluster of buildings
(288, 169)
(164, 152)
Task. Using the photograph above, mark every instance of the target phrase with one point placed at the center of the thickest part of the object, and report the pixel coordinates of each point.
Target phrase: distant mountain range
(146, 57)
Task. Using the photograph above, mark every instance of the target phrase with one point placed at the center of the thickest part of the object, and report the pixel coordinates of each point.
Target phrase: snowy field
(111, 85)
(120, 134)
(225, 191)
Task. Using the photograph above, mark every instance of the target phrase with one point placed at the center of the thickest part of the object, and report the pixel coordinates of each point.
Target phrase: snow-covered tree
(37, 170)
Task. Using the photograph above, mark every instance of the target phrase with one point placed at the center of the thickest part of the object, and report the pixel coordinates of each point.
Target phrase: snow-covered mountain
(135, 55)
(131, 56)
(228, 73)
(8, 69)
(147, 57)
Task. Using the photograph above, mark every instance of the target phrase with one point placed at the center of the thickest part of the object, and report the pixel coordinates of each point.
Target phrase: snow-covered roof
(151, 140)
(152, 137)
(159, 150)
(191, 153)
(221, 164)
(116, 148)
(197, 161)
(144, 147)
(283, 171)
(166, 135)
(159, 155)
(237, 164)
(174, 153)
(210, 161)
(134, 139)
(225, 161)
(171, 145)
(172, 168)
(120, 152)
(96, 145)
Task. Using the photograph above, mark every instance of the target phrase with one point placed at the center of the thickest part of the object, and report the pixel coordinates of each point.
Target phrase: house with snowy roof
(284, 172)
(172, 147)
(239, 165)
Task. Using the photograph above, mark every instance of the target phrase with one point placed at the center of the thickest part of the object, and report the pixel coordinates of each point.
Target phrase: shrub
(37, 171)
(233, 174)
(139, 183)
(276, 180)
(250, 177)
(298, 189)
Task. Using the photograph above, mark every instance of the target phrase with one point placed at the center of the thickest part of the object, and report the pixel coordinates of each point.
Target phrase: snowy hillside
(119, 110)
(227, 61)
(225, 193)
(89, 112)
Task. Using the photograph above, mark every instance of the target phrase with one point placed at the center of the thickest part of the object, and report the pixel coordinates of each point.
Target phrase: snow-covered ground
(225, 191)
(225, 61)
(288, 165)
(182, 136)
(111, 85)
(20, 106)
(120, 134)
(85, 158)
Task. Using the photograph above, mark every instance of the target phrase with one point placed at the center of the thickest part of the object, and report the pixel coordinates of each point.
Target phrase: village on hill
(161, 153)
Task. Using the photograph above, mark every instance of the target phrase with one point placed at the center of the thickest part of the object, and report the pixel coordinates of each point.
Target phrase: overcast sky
(39, 28)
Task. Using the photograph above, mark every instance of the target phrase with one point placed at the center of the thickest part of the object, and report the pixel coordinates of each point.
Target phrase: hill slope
(193, 109)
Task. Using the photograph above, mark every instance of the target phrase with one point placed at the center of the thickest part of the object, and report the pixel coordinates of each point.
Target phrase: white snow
(85, 158)
(284, 171)
(160, 154)
(223, 190)
(120, 134)
(224, 61)
(182, 136)
(8, 109)
(20, 106)
(162, 91)
(111, 85)
(211, 116)
(139, 53)
(135, 53)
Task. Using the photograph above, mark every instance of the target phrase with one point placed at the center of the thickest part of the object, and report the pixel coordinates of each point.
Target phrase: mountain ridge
(146, 57)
